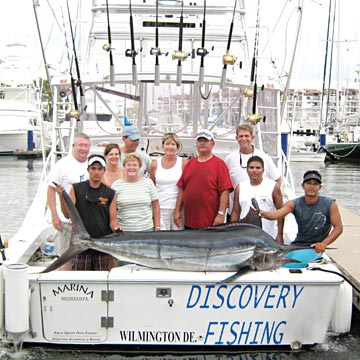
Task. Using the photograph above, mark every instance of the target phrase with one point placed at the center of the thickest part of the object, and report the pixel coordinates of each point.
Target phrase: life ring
(341, 319)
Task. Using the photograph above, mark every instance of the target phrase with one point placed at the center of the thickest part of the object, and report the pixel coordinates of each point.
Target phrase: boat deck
(347, 252)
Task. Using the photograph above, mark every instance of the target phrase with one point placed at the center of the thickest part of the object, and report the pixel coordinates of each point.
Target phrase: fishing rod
(132, 52)
(72, 80)
(253, 117)
(78, 82)
(227, 58)
(108, 48)
(253, 75)
(156, 50)
(202, 52)
(180, 55)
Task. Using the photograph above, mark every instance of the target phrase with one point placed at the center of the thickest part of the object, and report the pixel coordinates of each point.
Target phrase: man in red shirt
(204, 187)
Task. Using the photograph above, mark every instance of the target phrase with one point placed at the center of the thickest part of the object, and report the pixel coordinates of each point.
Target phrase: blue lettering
(284, 292)
(229, 295)
(205, 305)
(208, 332)
(258, 300)
(244, 332)
(247, 287)
(233, 332)
(254, 341)
(268, 333)
(193, 288)
(220, 342)
(270, 296)
(220, 296)
(278, 340)
(296, 295)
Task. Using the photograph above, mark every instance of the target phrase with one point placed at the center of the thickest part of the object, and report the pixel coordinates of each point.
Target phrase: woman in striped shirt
(138, 206)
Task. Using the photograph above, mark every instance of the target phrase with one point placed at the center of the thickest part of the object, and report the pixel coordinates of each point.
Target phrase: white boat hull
(133, 305)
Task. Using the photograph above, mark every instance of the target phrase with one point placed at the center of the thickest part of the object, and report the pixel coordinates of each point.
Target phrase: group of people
(125, 190)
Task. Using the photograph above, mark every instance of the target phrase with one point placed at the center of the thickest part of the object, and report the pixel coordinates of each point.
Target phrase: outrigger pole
(227, 58)
(131, 52)
(107, 47)
(78, 83)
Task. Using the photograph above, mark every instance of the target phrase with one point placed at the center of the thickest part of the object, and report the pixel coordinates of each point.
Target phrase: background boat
(21, 122)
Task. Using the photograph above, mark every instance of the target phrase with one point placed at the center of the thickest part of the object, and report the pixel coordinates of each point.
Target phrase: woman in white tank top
(165, 172)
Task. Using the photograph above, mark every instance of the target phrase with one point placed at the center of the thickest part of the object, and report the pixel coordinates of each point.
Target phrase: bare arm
(114, 224)
(278, 202)
(336, 231)
(177, 211)
(156, 214)
(51, 200)
(153, 168)
(235, 214)
(224, 202)
(279, 213)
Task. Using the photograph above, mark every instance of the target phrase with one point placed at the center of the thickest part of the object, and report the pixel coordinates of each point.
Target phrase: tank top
(166, 180)
(263, 195)
(313, 220)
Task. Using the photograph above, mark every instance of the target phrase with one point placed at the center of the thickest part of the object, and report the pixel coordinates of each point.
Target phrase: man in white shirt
(67, 171)
(237, 160)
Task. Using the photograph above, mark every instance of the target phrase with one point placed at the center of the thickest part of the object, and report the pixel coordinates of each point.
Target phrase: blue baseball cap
(132, 132)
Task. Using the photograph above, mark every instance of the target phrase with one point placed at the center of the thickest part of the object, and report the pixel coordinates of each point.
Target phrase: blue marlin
(235, 247)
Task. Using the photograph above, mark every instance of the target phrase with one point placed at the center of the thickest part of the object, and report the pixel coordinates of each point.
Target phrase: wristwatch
(221, 213)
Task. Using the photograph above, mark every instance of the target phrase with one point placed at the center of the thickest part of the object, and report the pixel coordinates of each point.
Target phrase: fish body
(228, 247)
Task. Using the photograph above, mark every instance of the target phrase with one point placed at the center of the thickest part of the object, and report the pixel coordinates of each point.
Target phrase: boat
(344, 144)
(21, 124)
(134, 306)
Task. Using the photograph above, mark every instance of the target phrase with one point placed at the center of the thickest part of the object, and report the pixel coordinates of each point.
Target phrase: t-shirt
(134, 204)
(68, 171)
(202, 184)
(93, 205)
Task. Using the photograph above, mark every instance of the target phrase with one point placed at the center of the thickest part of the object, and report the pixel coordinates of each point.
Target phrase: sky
(276, 39)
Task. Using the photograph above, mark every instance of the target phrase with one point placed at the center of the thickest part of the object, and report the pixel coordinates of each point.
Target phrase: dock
(346, 252)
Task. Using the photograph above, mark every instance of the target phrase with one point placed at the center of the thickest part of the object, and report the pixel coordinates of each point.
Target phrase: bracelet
(157, 227)
(221, 213)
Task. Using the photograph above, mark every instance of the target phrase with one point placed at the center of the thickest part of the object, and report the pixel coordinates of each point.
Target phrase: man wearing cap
(96, 204)
(318, 217)
(131, 137)
(204, 187)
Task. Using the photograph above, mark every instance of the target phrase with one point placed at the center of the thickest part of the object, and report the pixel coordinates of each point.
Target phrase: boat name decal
(158, 336)
(74, 288)
(245, 333)
(243, 296)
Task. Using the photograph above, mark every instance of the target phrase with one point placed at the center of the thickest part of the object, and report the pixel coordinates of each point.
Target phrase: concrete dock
(347, 252)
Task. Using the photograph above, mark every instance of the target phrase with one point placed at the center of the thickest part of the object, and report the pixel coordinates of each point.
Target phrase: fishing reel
(107, 47)
(157, 52)
(202, 52)
(253, 118)
(179, 55)
(72, 113)
(249, 93)
(130, 53)
(228, 59)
